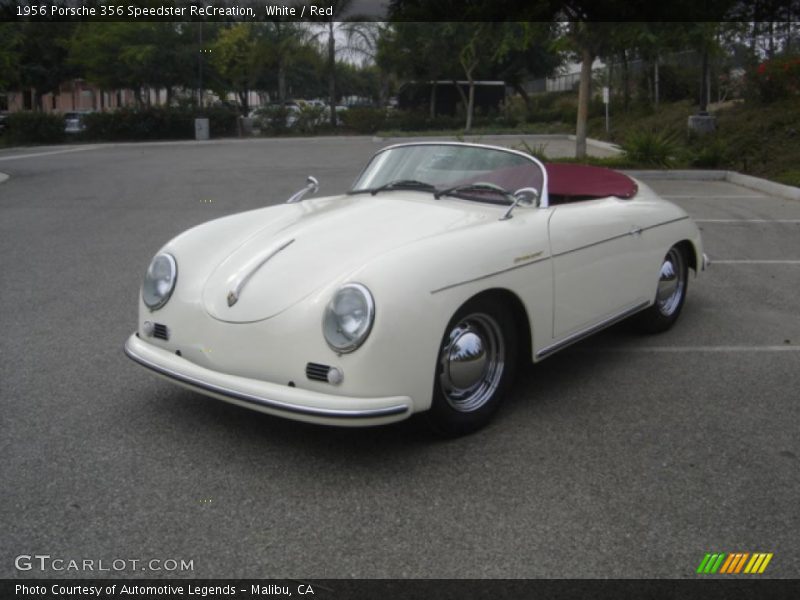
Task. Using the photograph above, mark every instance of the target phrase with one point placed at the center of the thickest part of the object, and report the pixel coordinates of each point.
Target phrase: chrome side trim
(482, 277)
(706, 261)
(575, 337)
(266, 402)
(233, 295)
(636, 231)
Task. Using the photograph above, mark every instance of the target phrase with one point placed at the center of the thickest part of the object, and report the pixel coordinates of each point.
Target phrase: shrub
(221, 119)
(273, 119)
(35, 128)
(538, 151)
(139, 124)
(552, 107)
(421, 121)
(790, 177)
(566, 107)
(157, 123)
(310, 118)
(515, 111)
(651, 148)
(711, 154)
(775, 79)
(364, 119)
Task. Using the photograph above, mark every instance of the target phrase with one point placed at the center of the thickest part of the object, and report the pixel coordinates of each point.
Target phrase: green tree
(10, 40)
(475, 47)
(527, 50)
(234, 55)
(41, 52)
(280, 46)
(126, 55)
(364, 41)
(332, 24)
(418, 51)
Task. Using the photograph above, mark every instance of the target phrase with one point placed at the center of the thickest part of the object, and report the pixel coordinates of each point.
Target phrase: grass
(651, 148)
(760, 140)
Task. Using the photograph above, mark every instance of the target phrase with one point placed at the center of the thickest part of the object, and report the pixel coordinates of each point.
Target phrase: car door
(597, 269)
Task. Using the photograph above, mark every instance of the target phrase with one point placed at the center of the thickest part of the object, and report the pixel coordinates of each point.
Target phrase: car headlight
(159, 281)
(348, 317)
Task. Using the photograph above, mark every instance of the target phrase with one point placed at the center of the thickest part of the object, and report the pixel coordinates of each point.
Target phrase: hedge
(34, 128)
(156, 123)
(125, 124)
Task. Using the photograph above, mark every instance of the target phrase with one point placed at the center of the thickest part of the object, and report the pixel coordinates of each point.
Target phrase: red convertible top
(573, 182)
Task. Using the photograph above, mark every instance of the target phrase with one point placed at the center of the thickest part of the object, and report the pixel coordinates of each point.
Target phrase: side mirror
(312, 186)
(526, 197)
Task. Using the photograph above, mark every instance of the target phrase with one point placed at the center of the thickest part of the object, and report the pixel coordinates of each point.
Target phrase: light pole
(200, 68)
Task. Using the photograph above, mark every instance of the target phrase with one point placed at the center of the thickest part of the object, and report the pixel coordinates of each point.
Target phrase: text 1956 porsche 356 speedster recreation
(417, 290)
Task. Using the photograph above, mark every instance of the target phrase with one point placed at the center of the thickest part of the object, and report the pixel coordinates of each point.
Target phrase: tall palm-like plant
(332, 24)
(281, 43)
(364, 40)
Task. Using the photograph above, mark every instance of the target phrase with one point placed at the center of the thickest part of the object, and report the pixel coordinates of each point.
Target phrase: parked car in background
(415, 292)
(3, 122)
(73, 121)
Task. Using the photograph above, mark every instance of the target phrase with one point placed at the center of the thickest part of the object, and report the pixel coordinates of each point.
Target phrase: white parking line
(754, 262)
(747, 220)
(786, 348)
(49, 153)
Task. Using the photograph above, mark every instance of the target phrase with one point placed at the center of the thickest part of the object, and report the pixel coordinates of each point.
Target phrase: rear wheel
(475, 368)
(670, 295)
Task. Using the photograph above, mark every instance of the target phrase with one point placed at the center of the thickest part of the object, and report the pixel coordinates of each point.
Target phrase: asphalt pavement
(623, 456)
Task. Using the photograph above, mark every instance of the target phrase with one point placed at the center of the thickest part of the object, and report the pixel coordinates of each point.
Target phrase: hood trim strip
(233, 295)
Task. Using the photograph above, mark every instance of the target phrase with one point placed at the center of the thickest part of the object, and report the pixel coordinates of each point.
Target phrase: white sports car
(419, 290)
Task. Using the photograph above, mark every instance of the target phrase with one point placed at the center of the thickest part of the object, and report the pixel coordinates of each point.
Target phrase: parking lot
(623, 456)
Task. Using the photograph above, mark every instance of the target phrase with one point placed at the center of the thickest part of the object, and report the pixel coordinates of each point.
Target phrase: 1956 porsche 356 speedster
(419, 290)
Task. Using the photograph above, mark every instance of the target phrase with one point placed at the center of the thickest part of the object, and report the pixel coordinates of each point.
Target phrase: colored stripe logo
(734, 563)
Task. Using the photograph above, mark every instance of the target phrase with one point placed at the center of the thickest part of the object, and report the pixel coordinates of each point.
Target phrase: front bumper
(270, 398)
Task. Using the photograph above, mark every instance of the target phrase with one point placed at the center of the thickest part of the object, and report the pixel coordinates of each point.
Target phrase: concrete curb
(598, 144)
(764, 185)
(754, 183)
(3, 177)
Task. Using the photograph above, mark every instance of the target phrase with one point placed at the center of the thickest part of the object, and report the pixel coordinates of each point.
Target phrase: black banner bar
(716, 588)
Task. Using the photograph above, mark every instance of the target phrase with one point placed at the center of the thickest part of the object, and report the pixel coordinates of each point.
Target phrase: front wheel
(474, 369)
(670, 295)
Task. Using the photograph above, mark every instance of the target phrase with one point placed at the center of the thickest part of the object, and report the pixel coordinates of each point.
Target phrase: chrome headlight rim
(173, 266)
(369, 303)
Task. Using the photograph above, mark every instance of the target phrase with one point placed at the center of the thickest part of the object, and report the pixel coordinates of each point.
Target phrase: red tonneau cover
(566, 181)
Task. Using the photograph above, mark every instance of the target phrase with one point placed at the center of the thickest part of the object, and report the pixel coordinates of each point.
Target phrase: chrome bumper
(271, 398)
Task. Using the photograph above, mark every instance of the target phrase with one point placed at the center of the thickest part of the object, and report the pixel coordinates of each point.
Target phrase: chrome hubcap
(472, 362)
(671, 283)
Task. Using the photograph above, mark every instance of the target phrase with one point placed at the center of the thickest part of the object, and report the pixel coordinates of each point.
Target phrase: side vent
(160, 331)
(317, 372)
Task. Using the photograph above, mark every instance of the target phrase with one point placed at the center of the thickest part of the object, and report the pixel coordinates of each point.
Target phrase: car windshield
(473, 172)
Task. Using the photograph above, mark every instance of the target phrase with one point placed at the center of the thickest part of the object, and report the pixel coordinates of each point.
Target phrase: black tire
(673, 283)
(475, 367)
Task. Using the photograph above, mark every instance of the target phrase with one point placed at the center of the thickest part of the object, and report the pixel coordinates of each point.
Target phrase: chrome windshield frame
(544, 199)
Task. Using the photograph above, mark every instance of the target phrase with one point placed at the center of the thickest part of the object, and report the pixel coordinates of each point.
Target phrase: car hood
(305, 246)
